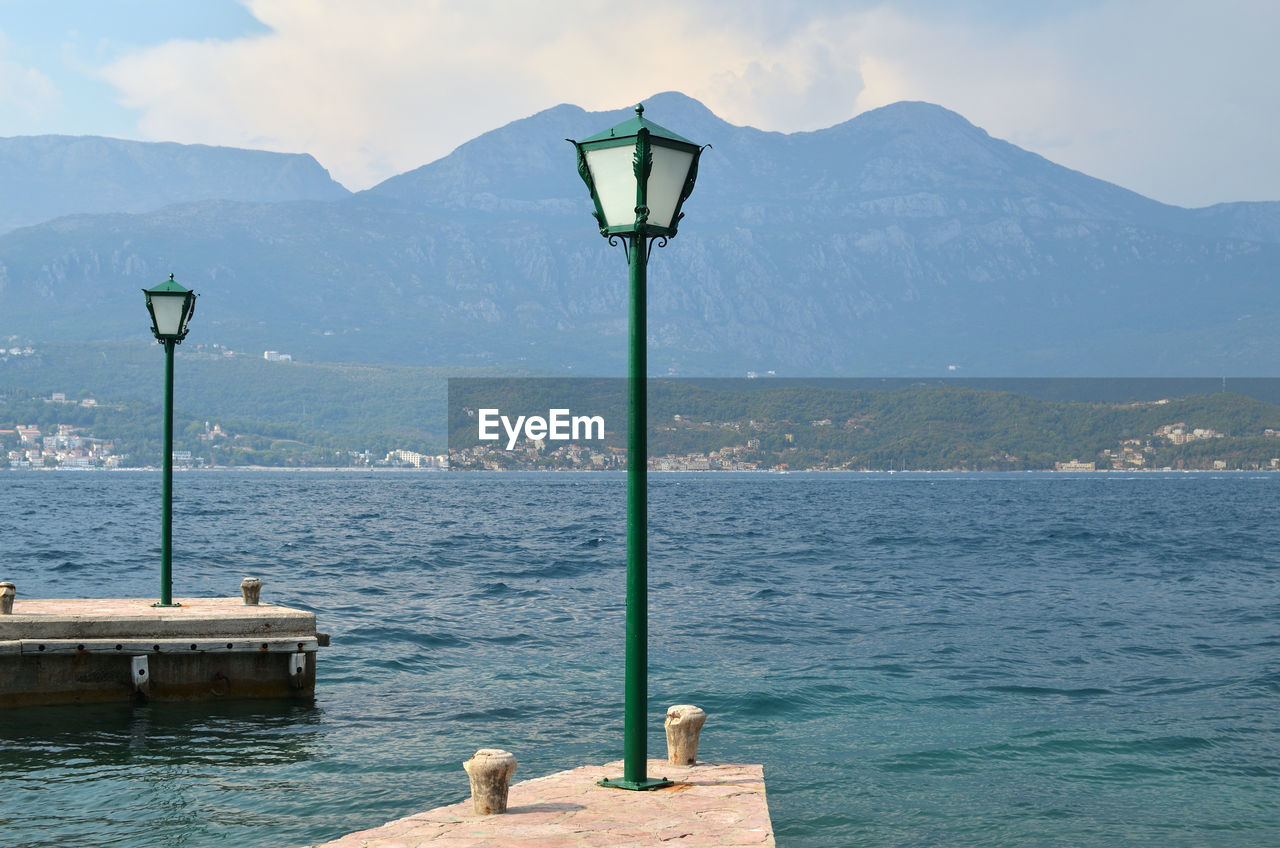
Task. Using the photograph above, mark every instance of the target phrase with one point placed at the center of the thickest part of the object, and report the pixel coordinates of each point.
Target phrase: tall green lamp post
(171, 307)
(639, 176)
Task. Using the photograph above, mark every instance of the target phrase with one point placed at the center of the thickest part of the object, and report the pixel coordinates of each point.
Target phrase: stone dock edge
(711, 804)
(105, 650)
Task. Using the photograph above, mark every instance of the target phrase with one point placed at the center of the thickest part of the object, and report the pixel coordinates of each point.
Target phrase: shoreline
(313, 469)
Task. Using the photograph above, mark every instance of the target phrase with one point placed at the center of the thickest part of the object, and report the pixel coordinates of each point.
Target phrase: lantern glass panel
(613, 172)
(170, 312)
(666, 182)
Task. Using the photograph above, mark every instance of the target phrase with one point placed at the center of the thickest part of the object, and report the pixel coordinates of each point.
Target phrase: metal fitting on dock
(251, 588)
(490, 770)
(683, 725)
(141, 672)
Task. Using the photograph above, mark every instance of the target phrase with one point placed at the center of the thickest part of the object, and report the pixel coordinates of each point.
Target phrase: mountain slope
(48, 176)
(904, 241)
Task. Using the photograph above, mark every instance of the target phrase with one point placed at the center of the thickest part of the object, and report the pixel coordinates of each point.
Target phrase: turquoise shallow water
(916, 659)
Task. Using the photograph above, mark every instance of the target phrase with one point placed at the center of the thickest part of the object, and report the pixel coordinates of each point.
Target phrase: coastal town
(27, 446)
(64, 446)
(754, 455)
(679, 444)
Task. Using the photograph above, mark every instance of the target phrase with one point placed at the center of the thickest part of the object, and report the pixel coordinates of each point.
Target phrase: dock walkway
(710, 805)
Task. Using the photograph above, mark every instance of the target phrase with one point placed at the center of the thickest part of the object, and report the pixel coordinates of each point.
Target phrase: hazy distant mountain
(904, 241)
(48, 176)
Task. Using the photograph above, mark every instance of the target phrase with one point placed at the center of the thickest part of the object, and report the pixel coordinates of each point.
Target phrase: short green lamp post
(171, 307)
(639, 176)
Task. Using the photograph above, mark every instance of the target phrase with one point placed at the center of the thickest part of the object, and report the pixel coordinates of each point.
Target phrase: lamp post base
(162, 604)
(635, 785)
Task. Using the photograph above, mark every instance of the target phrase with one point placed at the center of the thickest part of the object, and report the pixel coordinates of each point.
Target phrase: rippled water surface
(916, 659)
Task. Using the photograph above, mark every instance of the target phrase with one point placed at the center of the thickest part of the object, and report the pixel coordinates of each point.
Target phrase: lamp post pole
(639, 175)
(166, 532)
(171, 307)
(636, 690)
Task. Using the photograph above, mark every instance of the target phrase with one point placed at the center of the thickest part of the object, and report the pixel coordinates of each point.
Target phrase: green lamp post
(639, 176)
(171, 307)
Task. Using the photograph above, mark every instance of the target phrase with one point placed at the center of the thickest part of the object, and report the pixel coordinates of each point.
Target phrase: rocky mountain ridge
(904, 241)
(49, 176)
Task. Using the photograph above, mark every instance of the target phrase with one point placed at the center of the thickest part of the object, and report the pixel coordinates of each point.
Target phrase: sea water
(916, 659)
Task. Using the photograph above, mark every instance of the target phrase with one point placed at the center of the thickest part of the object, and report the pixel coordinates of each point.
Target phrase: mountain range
(905, 241)
(49, 176)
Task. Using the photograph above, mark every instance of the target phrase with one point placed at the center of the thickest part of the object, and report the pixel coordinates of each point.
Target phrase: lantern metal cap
(632, 126)
(169, 285)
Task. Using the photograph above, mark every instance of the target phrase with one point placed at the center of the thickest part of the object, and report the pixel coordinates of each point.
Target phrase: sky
(1176, 99)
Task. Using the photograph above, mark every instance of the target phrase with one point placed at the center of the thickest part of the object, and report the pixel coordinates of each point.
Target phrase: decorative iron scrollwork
(692, 176)
(652, 241)
(583, 170)
(616, 240)
(642, 165)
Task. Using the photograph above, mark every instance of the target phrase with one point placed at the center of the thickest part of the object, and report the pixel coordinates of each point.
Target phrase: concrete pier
(709, 806)
(73, 650)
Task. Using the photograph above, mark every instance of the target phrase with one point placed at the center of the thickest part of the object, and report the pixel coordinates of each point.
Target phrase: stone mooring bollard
(490, 770)
(251, 588)
(8, 592)
(684, 724)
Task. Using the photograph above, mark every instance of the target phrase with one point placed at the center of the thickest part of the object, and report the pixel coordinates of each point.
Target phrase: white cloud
(25, 93)
(808, 81)
(378, 88)
(1174, 99)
